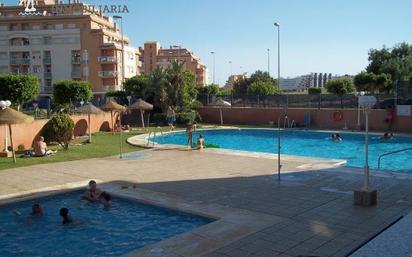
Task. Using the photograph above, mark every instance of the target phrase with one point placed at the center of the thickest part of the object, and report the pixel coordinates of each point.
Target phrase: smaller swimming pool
(96, 231)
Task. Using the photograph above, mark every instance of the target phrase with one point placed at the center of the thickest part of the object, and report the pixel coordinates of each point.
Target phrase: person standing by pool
(93, 193)
(190, 129)
(171, 118)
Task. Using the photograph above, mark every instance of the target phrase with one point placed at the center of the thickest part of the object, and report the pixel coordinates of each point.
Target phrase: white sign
(403, 110)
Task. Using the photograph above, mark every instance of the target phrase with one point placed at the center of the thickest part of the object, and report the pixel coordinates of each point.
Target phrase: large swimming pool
(307, 143)
(96, 231)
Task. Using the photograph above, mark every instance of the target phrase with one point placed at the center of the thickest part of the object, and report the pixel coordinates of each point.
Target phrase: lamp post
(231, 70)
(359, 109)
(278, 26)
(269, 61)
(366, 196)
(121, 28)
(214, 66)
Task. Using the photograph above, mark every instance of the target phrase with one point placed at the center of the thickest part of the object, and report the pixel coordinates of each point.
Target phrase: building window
(36, 69)
(71, 26)
(47, 40)
(59, 26)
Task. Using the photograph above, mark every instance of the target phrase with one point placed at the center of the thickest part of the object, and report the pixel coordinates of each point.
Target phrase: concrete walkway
(316, 205)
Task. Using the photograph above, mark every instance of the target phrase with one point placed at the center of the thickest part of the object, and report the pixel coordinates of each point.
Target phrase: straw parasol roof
(11, 116)
(112, 106)
(222, 103)
(141, 105)
(88, 108)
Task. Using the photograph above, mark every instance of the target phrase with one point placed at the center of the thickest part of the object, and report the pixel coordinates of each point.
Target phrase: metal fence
(401, 96)
(320, 101)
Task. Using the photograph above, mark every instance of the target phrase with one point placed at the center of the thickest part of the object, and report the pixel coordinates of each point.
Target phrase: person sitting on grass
(40, 148)
(64, 213)
(93, 193)
(200, 143)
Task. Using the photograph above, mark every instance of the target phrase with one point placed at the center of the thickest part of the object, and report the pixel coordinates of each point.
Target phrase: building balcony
(47, 75)
(76, 73)
(47, 60)
(20, 61)
(107, 59)
(76, 60)
(108, 74)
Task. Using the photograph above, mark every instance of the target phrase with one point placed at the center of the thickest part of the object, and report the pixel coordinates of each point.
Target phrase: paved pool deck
(313, 203)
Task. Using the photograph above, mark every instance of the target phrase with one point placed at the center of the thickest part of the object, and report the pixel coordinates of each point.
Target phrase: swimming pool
(96, 231)
(307, 143)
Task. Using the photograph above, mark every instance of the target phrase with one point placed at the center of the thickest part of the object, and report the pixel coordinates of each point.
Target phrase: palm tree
(158, 81)
(175, 75)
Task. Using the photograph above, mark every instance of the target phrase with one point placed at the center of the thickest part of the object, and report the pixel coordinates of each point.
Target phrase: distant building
(153, 55)
(62, 42)
(233, 79)
(303, 82)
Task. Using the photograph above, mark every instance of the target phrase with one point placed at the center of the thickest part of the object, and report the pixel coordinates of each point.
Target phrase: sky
(332, 36)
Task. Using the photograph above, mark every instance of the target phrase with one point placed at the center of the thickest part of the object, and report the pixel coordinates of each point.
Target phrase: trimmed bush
(59, 129)
(184, 118)
(314, 91)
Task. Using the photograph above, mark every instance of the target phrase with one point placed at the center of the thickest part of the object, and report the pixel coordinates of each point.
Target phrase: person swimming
(36, 210)
(64, 213)
(92, 194)
(387, 136)
(336, 137)
(106, 199)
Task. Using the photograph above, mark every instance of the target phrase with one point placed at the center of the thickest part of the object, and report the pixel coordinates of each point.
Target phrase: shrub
(160, 119)
(196, 105)
(314, 91)
(59, 129)
(184, 118)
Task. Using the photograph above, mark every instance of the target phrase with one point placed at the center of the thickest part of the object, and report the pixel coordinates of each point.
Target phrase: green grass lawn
(104, 144)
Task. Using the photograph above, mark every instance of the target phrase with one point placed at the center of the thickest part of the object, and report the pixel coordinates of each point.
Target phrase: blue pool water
(95, 232)
(307, 143)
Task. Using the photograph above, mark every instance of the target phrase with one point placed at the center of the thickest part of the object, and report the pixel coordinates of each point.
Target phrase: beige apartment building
(153, 55)
(65, 41)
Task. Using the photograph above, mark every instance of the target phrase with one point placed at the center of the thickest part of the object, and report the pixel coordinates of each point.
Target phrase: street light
(278, 26)
(117, 17)
(214, 66)
(231, 70)
(269, 61)
(366, 196)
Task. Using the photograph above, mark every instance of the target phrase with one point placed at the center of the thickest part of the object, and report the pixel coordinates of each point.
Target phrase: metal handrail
(158, 129)
(394, 152)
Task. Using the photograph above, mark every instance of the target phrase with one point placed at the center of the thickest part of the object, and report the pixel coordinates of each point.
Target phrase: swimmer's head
(64, 212)
(92, 185)
(36, 209)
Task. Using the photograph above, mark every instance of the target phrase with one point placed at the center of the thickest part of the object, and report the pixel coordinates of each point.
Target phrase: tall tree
(139, 87)
(19, 89)
(262, 88)
(370, 82)
(340, 87)
(68, 92)
(241, 87)
(396, 61)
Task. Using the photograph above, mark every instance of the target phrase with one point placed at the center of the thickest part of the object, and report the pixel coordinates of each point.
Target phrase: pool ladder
(390, 153)
(154, 132)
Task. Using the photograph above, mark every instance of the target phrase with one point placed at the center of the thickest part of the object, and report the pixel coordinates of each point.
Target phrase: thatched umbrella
(142, 106)
(89, 109)
(113, 107)
(8, 116)
(221, 103)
